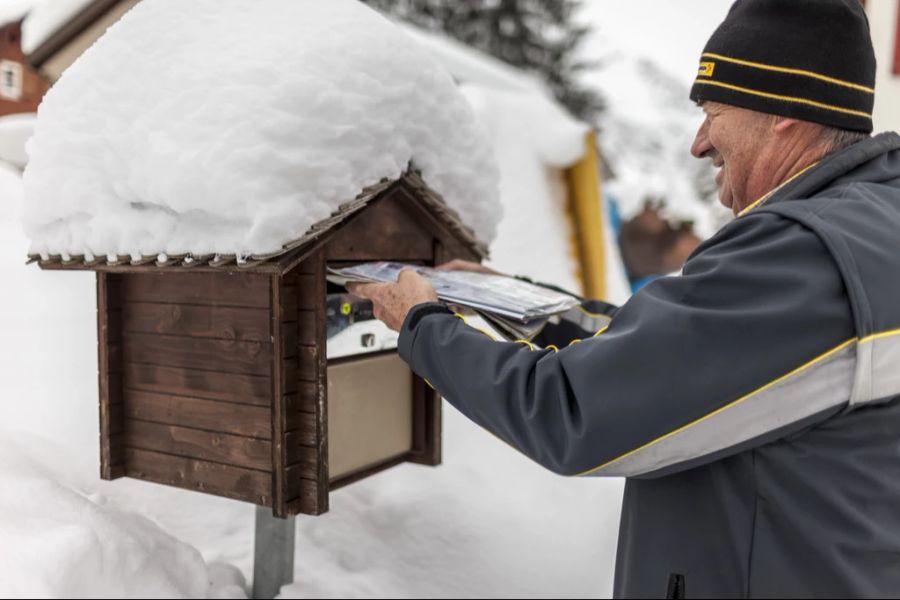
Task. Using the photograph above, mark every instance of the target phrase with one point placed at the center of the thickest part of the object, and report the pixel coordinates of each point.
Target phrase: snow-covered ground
(63, 538)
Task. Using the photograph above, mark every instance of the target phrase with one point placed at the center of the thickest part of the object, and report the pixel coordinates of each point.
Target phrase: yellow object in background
(586, 210)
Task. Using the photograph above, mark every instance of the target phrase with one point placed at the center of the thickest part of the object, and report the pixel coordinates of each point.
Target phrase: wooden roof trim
(447, 216)
(265, 268)
(70, 30)
(441, 217)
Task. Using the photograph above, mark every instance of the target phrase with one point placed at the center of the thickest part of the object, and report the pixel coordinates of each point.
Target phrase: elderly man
(754, 402)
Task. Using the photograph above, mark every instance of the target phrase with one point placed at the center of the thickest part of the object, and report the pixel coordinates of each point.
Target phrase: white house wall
(883, 23)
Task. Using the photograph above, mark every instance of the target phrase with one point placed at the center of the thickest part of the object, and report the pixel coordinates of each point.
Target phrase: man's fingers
(355, 288)
(391, 302)
(365, 290)
(454, 265)
(457, 264)
(407, 275)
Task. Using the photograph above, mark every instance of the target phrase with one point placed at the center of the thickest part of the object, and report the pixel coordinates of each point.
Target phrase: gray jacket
(753, 403)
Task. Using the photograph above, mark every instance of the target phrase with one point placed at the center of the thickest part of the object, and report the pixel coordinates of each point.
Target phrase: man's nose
(701, 146)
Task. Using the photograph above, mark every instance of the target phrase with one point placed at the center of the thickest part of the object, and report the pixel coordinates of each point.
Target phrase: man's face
(735, 140)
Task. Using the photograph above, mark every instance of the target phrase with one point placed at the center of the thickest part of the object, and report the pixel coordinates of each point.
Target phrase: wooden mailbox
(213, 371)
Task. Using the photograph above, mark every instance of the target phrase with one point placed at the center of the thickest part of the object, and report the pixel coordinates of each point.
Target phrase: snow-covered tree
(540, 36)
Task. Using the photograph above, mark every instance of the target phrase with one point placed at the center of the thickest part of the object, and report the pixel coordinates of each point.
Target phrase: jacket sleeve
(753, 341)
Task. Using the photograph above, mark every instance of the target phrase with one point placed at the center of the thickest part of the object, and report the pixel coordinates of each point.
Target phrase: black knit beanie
(807, 59)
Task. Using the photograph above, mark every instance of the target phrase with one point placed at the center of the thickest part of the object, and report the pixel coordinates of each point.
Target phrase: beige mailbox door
(369, 412)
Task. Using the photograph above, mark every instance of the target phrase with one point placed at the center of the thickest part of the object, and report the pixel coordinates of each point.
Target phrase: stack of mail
(517, 308)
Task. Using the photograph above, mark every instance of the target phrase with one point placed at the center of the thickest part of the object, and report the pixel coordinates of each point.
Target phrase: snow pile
(60, 543)
(488, 523)
(14, 132)
(232, 126)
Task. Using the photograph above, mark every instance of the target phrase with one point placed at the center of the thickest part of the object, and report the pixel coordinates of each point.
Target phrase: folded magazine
(518, 309)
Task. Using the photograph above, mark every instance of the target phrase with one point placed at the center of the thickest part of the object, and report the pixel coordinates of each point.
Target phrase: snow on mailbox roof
(232, 127)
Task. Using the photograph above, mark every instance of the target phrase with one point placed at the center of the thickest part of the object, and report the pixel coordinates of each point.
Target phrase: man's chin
(726, 200)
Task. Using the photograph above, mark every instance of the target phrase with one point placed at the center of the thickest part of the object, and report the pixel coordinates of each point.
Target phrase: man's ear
(785, 124)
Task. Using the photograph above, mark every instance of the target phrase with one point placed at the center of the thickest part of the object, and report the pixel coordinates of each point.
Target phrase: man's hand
(393, 301)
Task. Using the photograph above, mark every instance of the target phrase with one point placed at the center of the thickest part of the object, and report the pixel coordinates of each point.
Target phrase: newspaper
(518, 309)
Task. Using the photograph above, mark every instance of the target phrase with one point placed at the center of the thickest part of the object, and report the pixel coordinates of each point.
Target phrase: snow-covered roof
(232, 127)
(468, 65)
(553, 131)
(45, 18)
(14, 10)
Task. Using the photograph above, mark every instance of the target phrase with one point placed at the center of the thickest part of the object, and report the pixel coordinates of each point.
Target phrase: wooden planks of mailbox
(213, 371)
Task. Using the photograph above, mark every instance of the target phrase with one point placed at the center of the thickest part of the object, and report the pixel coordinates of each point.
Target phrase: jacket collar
(830, 170)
